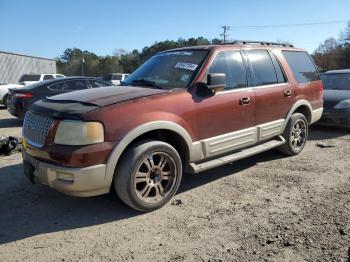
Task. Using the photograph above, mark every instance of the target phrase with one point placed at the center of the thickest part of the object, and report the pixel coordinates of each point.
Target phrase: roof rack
(247, 42)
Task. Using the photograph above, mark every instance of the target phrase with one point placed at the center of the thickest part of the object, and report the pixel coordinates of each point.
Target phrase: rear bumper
(80, 182)
(336, 117)
(316, 115)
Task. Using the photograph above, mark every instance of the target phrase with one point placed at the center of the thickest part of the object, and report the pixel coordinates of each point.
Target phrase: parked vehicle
(115, 79)
(188, 109)
(336, 98)
(21, 99)
(25, 80)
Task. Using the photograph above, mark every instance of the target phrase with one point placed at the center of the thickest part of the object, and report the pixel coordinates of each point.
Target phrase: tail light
(321, 89)
(23, 95)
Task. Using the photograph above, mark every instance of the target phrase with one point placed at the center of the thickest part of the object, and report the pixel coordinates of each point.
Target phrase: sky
(46, 28)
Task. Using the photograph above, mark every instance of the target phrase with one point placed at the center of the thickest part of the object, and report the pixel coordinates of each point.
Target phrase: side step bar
(197, 168)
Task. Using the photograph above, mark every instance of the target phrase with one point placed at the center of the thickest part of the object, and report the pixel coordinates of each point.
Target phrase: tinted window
(58, 76)
(74, 85)
(336, 81)
(302, 66)
(56, 87)
(47, 77)
(29, 78)
(231, 64)
(117, 77)
(98, 83)
(264, 71)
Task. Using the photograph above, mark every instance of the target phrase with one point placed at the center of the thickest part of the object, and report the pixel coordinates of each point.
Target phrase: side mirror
(216, 81)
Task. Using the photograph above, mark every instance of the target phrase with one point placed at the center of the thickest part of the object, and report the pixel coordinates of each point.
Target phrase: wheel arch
(302, 106)
(179, 139)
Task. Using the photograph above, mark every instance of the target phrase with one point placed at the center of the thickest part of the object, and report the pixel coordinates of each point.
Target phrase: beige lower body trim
(80, 182)
(229, 142)
(316, 115)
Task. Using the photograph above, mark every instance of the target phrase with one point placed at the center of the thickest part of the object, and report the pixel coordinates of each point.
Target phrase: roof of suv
(247, 44)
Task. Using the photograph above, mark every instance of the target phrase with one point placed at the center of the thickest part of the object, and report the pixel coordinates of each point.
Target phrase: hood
(104, 96)
(333, 97)
(75, 104)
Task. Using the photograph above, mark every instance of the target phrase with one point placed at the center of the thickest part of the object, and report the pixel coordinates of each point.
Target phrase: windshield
(29, 78)
(336, 81)
(174, 69)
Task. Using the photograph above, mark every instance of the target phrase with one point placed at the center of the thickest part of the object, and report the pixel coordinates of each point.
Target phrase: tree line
(331, 54)
(77, 62)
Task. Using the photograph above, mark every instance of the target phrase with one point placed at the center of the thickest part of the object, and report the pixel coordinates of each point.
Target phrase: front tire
(295, 134)
(148, 175)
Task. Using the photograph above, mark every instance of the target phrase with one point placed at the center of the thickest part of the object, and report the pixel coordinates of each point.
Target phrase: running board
(197, 168)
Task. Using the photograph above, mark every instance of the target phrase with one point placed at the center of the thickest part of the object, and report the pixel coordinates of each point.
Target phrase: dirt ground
(265, 208)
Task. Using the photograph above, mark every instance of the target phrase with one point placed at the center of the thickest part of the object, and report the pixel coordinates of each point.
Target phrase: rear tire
(295, 134)
(148, 175)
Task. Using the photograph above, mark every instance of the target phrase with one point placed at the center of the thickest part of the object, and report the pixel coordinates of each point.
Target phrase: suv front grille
(36, 128)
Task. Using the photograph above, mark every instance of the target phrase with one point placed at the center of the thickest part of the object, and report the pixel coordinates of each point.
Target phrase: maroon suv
(184, 110)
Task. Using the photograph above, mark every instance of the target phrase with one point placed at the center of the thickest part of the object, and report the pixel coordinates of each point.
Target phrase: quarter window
(263, 68)
(302, 66)
(231, 64)
(74, 85)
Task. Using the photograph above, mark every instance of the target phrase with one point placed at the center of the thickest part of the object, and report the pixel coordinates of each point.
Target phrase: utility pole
(225, 35)
(82, 66)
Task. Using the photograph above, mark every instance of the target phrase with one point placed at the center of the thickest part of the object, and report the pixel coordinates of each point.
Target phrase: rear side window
(117, 77)
(47, 77)
(263, 68)
(98, 83)
(56, 87)
(231, 64)
(302, 66)
(74, 85)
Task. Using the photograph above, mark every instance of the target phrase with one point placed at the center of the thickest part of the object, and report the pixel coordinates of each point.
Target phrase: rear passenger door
(273, 93)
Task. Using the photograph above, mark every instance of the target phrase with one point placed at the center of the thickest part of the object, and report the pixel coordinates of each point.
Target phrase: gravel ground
(265, 208)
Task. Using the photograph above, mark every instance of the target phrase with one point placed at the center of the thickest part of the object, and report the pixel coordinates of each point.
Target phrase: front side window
(302, 66)
(74, 85)
(263, 68)
(231, 64)
(336, 81)
(173, 69)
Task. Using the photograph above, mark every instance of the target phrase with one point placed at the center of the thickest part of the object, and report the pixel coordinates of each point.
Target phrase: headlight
(343, 104)
(72, 132)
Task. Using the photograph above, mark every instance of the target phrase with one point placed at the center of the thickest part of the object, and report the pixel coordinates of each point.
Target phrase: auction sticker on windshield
(188, 66)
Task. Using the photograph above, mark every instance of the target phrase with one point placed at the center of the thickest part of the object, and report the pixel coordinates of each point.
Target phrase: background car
(21, 99)
(336, 97)
(115, 79)
(26, 79)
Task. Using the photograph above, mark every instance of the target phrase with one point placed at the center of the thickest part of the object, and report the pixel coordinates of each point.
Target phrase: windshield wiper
(145, 82)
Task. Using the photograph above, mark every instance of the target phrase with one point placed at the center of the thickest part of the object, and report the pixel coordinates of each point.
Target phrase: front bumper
(80, 182)
(336, 117)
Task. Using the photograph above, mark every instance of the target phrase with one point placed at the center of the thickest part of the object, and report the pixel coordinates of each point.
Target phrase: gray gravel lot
(265, 208)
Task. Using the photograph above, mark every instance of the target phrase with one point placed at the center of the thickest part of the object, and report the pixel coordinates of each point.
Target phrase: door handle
(287, 93)
(244, 101)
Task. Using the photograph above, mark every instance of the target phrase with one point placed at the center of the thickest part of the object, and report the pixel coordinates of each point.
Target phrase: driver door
(226, 119)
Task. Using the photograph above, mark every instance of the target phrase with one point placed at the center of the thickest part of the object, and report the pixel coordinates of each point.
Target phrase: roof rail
(247, 42)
